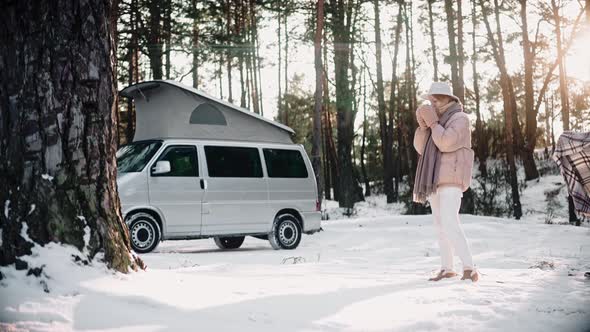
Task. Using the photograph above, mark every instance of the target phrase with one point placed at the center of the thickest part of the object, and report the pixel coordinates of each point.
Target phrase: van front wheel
(233, 242)
(286, 232)
(144, 231)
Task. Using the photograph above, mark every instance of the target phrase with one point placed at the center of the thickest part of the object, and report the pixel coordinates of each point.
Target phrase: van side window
(284, 163)
(183, 161)
(233, 162)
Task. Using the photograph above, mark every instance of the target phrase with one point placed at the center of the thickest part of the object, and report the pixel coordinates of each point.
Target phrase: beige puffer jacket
(454, 141)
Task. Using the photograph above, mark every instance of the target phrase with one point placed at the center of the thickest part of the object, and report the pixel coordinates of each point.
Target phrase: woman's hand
(428, 115)
(421, 121)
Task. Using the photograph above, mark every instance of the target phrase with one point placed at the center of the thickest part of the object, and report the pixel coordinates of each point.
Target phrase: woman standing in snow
(443, 141)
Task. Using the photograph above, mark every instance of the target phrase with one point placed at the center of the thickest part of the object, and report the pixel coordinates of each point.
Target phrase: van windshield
(133, 157)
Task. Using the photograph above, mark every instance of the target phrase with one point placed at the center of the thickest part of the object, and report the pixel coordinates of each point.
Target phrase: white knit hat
(439, 88)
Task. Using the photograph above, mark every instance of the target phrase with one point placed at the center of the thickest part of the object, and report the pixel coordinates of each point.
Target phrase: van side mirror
(162, 167)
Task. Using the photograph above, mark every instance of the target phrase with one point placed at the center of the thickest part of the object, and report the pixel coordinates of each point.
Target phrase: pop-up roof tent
(168, 109)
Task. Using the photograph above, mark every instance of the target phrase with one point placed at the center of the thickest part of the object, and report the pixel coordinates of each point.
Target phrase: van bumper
(312, 222)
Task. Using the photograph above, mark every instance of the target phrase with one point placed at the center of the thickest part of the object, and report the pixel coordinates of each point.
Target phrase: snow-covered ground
(368, 273)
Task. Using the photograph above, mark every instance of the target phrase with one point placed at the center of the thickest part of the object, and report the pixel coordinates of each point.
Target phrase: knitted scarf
(427, 172)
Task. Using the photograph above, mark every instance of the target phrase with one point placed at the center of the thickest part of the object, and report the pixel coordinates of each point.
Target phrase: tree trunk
(432, 43)
(394, 105)
(280, 78)
(327, 152)
(531, 171)
(453, 57)
(229, 56)
(563, 90)
(363, 145)
(154, 36)
(316, 160)
(527, 158)
(249, 83)
(220, 75)
(240, 28)
(133, 69)
(258, 71)
(509, 108)
(481, 139)
(407, 125)
(467, 203)
(383, 130)
(327, 129)
(345, 117)
(251, 86)
(195, 42)
(286, 109)
(243, 82)
(168, 36)
(460, 52)
(552, 125)
(256, 91)
(57, 122)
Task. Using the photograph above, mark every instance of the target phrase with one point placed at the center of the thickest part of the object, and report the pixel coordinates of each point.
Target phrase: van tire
(233, 242)
(286, 232)
(144, 232)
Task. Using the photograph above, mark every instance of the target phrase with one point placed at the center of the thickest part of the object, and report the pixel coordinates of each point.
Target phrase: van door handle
(203, 184)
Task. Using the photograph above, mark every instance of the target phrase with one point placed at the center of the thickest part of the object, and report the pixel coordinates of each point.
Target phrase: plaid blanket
(572, 154)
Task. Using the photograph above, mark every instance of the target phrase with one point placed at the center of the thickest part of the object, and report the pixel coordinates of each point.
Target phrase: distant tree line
(354, 161)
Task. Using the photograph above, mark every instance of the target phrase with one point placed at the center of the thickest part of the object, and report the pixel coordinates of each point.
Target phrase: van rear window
(233, 162)
(284, 163)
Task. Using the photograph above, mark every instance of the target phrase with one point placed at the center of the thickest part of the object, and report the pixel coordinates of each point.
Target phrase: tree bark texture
(342, 16)
(57, 130)
(316, 160)
(531, 171)
(432, 43)
(453, 56)
(363, 143)
(394, 104)
(195, 44)
(460, 51)
(384, 132)
(519, 148)
(563, 90)
(509, 109)
(480, 135)
(154, 36)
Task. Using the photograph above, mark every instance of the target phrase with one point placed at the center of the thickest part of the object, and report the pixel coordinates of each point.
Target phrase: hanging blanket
(572, 154)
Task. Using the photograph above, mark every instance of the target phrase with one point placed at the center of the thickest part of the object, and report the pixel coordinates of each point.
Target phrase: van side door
(178, 193)
(236, 199)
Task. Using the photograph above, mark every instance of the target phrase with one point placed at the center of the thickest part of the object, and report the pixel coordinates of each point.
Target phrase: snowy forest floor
(366, 273)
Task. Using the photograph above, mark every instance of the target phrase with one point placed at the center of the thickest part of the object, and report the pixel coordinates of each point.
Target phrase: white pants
(445, 209)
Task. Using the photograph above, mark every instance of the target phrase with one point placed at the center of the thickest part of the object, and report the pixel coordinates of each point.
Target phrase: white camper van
(227, 173)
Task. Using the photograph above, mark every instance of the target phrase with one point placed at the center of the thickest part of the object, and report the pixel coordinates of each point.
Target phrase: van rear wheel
(286, 232)
(233, 242)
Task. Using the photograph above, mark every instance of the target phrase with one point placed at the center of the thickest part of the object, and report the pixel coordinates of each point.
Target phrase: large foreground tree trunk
(57, 131)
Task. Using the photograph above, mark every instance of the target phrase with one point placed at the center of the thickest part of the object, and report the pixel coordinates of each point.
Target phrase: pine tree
(57, 131)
